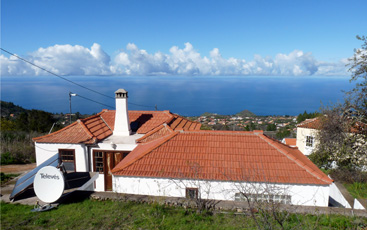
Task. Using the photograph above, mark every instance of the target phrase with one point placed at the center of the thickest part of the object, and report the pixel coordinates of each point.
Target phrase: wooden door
(111, 159)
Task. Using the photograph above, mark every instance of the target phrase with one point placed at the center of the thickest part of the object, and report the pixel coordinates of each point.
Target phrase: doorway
(104, 162)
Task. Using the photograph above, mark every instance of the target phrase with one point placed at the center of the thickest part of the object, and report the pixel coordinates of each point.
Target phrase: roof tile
(181, 156)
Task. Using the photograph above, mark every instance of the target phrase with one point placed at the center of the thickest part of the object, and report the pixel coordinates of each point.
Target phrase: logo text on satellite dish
(46, 176)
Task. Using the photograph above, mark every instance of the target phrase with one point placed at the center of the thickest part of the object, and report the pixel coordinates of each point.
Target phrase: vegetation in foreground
(90, 214)
(7, 177)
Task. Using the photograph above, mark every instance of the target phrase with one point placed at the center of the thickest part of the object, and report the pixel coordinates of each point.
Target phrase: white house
(306, 135)
(100, 142)
(158, 153)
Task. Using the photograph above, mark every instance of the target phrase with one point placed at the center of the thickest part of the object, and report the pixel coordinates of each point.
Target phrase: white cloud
(60, 59)
(78, 60)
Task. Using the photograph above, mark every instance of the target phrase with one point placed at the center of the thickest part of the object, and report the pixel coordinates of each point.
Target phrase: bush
(348, 176)
(17, 147)
(6, 159)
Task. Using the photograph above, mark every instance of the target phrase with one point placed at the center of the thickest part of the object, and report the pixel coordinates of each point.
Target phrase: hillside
(246, 113)
(8, 108)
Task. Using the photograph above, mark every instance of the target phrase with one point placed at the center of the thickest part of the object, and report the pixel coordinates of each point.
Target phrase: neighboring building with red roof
(306, 135)
(158, 153)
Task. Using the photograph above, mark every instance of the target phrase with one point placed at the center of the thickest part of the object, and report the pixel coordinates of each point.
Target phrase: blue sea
(188, 96)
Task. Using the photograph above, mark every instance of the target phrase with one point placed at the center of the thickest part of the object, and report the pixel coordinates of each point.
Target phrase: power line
(55, 74)
(147, 106)
(93, 101)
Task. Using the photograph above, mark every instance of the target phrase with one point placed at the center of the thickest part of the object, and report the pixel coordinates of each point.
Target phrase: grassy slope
(357, 190)
(90, 214)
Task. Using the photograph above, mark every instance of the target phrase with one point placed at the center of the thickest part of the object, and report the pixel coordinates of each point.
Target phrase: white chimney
(122, 124)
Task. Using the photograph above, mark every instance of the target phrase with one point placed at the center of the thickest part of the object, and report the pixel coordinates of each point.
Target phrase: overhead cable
(78, 95)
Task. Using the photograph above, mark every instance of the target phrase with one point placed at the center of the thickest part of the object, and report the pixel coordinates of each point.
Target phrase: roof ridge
(143, 154)
(87, 130)
(307, 121)
(226, 132)
(155, 130)
(90, 117)
(294, 159)
(105, 123)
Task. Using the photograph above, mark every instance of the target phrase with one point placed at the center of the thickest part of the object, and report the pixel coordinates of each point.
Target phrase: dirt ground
(17, 169)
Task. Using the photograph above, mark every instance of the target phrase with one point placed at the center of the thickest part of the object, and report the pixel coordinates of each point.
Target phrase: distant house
(306, 135)
(158, 153)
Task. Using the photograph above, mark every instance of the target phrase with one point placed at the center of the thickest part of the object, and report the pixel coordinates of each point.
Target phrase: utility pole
(71, 95)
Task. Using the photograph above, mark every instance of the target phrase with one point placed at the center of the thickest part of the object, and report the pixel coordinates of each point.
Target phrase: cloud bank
(79, 60)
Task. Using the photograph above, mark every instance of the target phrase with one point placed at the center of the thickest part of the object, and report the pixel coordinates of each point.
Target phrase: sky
(185, 38)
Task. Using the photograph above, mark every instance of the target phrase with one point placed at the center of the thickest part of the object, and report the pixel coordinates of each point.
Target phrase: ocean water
(189, 96)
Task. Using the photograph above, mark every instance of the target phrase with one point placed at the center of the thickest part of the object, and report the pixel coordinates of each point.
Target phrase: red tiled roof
(221, 155)
(74, 133)
(290, 141)
(316, 123)
(148, 120)
(160, 131)
(313, 123)
(101, 125)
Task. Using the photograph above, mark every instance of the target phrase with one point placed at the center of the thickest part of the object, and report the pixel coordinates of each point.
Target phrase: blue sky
(293, 38)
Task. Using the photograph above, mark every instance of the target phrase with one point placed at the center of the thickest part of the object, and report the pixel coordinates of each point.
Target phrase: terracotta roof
(75, 133)
(101, 125)
(160, 131)
(146, 121)
(223, 156)
(313, 123)
(290, 141)
(316, 123)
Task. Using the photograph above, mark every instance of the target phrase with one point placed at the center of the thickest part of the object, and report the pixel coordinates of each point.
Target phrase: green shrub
(6, 158)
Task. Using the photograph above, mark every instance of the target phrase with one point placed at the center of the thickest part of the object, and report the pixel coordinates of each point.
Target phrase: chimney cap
(121, 93)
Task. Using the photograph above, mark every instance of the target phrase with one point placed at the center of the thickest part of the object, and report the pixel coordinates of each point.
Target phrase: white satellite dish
(49, 184)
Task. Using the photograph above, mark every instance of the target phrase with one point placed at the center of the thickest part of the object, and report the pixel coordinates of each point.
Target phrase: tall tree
(343, 130)
(356, 101)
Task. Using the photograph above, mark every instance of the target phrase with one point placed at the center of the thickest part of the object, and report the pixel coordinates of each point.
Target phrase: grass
(90, 214)
(357, 190)
(6, 177)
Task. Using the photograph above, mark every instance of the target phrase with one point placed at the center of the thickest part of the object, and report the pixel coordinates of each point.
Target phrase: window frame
(310, 141)
(94, 162)
(68, 150)
(196, 193)
(272, 198)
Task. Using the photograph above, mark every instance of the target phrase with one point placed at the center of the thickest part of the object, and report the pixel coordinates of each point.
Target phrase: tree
(271, 127)
(303, 116)
(356, 101)
(342, 139)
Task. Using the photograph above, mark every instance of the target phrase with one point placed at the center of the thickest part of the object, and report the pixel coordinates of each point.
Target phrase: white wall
(45, 150)
(336, 195)
(310, 195)
(302, 133)
(358, 205)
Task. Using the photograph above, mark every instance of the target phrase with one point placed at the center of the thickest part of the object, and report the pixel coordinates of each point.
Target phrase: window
(283, 199)
(309, 141)
(192, 193)
(67, 156)
(98, 162)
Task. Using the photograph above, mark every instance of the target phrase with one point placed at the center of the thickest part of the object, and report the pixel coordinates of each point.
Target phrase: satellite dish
(49, 184)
